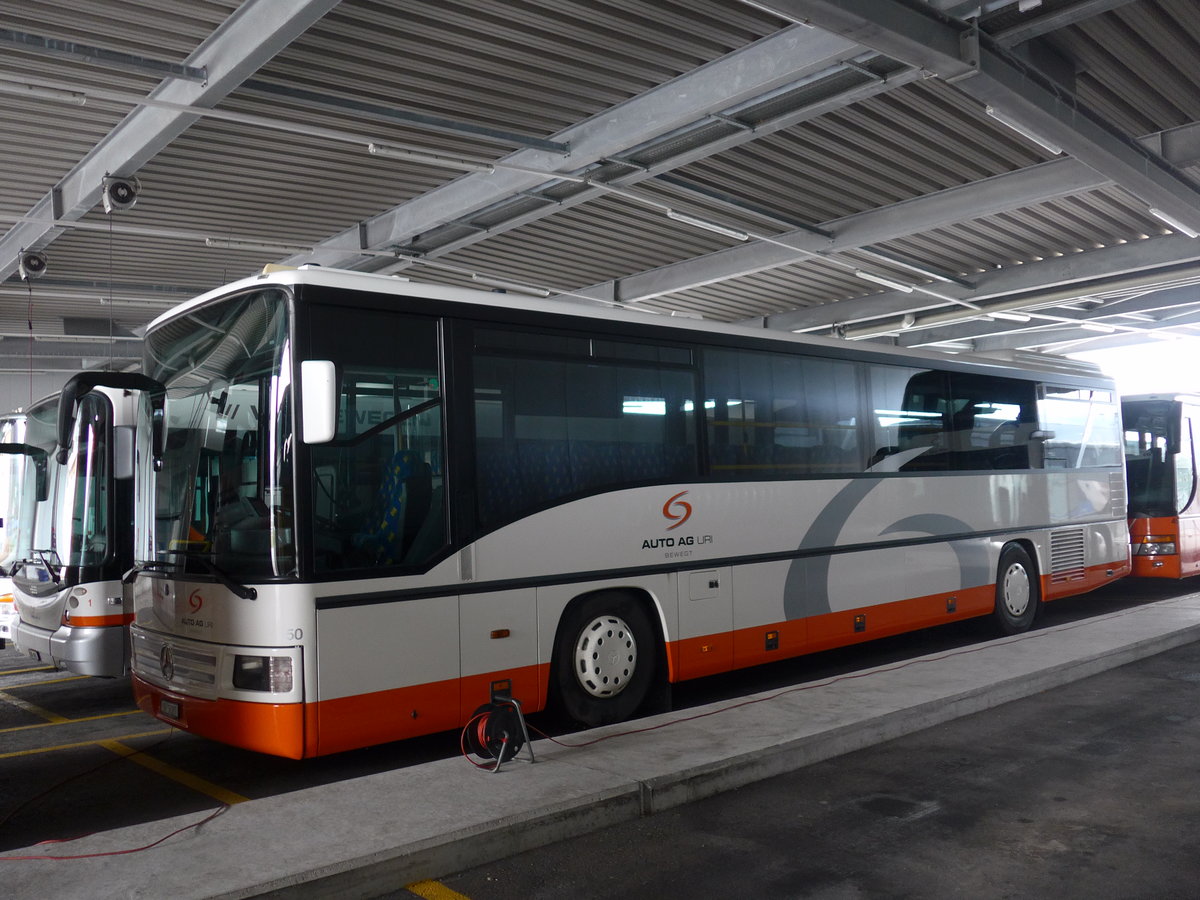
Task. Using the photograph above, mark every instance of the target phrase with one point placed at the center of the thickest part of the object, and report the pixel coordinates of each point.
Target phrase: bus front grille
(174, 664)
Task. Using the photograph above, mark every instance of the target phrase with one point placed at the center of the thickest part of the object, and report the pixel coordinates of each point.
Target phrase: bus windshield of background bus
(35, 553)
(13, 493)
(84, 490)
(1159, 458)
(224, 494)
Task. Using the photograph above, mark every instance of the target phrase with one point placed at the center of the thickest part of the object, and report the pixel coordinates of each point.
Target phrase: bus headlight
(1155, 545)
(272, 674)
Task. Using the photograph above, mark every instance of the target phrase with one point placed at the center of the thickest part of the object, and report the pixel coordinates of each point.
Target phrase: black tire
(1018, 591)
(604, 658)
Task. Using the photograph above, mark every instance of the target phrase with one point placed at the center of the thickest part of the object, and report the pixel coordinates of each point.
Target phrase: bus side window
(992, 422)
(774, 415)
(377, 485)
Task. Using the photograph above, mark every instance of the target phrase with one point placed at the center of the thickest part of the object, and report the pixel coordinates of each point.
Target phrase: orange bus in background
(1160, 461)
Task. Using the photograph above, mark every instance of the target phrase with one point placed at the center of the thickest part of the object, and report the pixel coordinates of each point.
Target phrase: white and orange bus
(67, 586)
(13, 494)
(1160, 459)
(380, 500)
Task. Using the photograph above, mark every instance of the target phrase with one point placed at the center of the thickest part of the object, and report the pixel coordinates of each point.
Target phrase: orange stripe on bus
(1055, 587)
(399, 713)
(299, 730)
(712, 654)
(99, 621)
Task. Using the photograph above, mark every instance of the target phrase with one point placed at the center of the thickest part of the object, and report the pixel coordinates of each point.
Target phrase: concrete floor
(376, 834)
(1086, 790)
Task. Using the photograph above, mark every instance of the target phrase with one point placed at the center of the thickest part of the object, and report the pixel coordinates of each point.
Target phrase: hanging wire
(110, 293)
(29, 321)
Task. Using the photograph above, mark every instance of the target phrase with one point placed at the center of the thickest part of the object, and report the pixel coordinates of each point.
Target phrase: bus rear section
(1160, 462)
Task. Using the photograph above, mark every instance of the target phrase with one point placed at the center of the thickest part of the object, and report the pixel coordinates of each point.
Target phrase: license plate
(169, 708)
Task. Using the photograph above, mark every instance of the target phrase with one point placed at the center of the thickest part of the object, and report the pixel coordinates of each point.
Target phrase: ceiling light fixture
(231, 244)
(509, 285)
(432, 159)
(705, 224)
(1097, 326)
(1005, 119)
(1008, 316)
(886, 282)
(1175, 224)
(42, 93)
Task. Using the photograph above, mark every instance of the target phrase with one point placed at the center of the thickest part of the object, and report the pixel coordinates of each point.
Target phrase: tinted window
(771, 415)
(946, 421)
(548, 429)
(378, 487)
(1086, 428)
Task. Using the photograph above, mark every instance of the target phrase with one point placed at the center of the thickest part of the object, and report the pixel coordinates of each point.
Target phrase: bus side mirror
(1037, 448)
(318, 401)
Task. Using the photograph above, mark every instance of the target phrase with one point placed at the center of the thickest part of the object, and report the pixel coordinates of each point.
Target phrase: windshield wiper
(151, 566)
(51, 570)
(244, 591)
(223, 577)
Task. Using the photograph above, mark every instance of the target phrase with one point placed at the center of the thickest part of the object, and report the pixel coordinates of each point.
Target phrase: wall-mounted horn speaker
(31, 264)
(120, 193)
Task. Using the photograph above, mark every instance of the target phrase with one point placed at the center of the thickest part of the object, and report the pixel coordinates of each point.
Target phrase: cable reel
(497, 730)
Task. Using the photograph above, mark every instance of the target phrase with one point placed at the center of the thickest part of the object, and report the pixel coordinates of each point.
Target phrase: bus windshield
(35, 565)
(13, 492)
(83, 493)
(1159, 460)
(224, 495)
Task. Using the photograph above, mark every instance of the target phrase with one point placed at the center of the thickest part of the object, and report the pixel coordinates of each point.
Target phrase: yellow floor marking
(128, 712)
(22, 671)
(53, 718)
(185, 778)
(51, 681)
(95, 743)
(434, 890)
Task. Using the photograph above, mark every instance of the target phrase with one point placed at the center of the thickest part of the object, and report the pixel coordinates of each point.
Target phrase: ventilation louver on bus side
(1068, 556)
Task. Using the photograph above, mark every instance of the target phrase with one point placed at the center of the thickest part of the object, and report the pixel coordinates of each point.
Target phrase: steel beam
(237, 48)
(978, 66)
(768, 64)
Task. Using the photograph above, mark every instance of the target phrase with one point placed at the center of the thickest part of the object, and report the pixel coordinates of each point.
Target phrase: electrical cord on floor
(96, 768)
(212, 815)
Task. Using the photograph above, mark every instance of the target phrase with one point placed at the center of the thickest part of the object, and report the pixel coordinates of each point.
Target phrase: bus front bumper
(99, 651)
(274, 728)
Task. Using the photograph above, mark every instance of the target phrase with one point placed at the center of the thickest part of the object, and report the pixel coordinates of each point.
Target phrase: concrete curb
(376, 834)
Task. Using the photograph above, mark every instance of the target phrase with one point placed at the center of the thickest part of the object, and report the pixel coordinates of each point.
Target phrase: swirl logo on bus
(677, 510)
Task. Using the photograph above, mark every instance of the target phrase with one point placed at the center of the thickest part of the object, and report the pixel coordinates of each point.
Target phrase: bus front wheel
(1018, 592)
(604, 658)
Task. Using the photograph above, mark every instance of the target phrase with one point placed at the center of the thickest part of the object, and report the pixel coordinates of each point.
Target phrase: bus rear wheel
(604, 658)
(1018, 592)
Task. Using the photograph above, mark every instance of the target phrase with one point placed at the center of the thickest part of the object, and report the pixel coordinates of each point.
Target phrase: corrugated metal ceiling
(862, 142)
